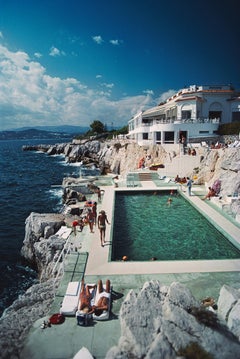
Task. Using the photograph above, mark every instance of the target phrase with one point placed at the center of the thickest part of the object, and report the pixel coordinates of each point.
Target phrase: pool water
(146, 227)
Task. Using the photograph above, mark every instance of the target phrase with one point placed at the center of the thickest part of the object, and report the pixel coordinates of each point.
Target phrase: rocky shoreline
(41, 247)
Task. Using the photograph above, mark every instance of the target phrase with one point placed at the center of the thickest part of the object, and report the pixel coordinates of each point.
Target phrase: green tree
(97, 127)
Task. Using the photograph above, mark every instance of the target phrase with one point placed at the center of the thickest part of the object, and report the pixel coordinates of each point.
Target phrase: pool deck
(203, 278)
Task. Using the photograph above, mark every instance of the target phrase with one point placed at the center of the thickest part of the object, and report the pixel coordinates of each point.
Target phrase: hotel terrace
(192, 114)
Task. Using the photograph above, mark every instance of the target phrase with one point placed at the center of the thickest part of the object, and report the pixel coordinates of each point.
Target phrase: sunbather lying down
(86, 297)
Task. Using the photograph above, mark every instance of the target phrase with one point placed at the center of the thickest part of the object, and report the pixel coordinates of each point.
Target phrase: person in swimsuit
(75, 223)
(94, 210)
(102, 220)
(104, 298)
(86, 297)
(90, 217)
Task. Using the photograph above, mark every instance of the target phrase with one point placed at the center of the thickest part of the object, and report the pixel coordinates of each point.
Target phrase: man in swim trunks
(102, 220)
(86, 297)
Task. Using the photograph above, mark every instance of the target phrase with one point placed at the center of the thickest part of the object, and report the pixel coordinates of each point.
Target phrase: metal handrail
(62, 256)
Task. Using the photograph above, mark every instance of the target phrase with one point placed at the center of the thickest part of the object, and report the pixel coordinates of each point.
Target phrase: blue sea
(28, 182)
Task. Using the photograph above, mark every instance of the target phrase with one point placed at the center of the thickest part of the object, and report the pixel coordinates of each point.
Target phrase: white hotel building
(192, 113)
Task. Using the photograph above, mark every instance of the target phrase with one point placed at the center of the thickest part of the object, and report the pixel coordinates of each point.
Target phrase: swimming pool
(147, 227)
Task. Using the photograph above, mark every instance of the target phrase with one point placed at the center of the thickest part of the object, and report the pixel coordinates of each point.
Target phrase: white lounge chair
(83, 353)
(106, 313)
(70, 302)
(64, 232)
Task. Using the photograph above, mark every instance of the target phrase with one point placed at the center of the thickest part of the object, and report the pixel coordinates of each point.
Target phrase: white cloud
(98, 39)
(115, 42)
(30, 97)
(98, 76)
(148, 92)
(165, 95)
(54, 51)
(37, 55)
(110, 86)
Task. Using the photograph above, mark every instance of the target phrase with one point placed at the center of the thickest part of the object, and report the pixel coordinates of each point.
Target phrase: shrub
(232, 128)
(194, 351)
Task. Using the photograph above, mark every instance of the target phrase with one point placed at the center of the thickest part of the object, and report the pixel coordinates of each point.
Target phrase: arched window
(215, 111)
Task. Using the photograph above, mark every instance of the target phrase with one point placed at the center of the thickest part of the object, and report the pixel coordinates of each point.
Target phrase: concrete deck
(203, 278)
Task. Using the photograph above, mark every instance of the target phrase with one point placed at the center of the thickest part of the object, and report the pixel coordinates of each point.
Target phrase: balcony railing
(178, 120)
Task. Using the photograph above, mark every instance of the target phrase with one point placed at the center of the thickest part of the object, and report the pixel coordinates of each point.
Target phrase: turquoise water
(145, 226)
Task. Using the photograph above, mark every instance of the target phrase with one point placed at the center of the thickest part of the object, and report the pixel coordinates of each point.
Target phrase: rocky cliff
(120, 157)
(172, 324)
(40, 246)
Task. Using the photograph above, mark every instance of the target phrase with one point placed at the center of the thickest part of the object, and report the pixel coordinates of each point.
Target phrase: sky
(71, 62)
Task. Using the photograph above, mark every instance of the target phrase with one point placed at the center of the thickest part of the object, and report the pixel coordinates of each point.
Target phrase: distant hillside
(62, 129)
(32, 134)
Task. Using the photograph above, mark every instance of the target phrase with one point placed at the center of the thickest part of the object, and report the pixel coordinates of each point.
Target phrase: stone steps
(145, 176)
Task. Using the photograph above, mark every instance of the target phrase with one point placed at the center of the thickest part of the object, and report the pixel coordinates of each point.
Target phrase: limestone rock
(229, 308)
(160, 321)
(224, 165)
(38, 226)
(45, 252)
(121, 157)
(21, 315)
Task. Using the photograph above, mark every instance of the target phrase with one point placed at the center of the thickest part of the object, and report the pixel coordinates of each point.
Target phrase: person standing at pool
(102, 220)
(99, 194)
(74, 226)
(189, 185)
(90, 217)
(94, 210)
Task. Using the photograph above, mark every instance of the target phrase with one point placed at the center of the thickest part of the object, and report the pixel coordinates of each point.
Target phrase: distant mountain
(32, 134)
(62, 129)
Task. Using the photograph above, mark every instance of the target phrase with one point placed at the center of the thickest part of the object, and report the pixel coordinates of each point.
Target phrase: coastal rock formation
(40, 246)
(86, 151)
(223, 165)
(229, 308)
(171, 324)
(121, 157)
(21, 315)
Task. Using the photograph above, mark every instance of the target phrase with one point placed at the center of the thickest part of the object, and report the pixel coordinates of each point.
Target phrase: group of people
(180, 180)
(185, 180)
(92, 220)
(192, 152)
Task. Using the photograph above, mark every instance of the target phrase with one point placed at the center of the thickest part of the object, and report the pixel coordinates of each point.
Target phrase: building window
(169, 137)
(145, 135)
(202, 132)
(186, 115)
(158, 136)
(215, 114)
(236, 116)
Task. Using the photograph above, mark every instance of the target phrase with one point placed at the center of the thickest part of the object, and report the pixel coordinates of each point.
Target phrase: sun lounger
(105, 314)
(71, 299)
(64, 232)
(83, 353)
